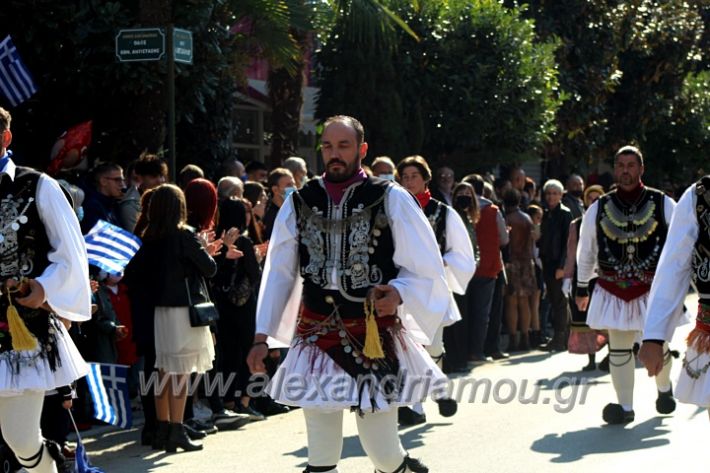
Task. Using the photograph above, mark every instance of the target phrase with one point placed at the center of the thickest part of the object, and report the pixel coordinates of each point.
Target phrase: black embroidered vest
(436, 213)
(630, 239)
(353, 239)
(24, 247)
(701, 255)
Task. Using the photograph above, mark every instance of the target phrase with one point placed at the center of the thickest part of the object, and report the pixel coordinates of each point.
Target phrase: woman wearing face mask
(466, 205)
(459, 262)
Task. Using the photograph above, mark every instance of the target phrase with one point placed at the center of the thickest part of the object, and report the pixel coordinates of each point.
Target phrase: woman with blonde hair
(172, 265)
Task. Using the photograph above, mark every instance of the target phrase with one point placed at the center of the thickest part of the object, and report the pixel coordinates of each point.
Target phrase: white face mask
(387, 177)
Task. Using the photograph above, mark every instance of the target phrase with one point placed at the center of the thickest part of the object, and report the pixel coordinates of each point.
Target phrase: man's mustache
(337, 161)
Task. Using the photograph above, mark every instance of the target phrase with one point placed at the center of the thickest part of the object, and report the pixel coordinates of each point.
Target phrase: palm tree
(370, 21)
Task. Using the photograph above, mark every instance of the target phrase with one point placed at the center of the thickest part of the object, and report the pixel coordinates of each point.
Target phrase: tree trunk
(286, 97)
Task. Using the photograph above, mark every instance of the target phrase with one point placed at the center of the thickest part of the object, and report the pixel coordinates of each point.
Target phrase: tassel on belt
(327, 331)
(21, 337)
(699, 337)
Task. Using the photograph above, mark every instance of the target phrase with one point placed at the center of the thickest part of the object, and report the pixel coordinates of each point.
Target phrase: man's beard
(348, 171)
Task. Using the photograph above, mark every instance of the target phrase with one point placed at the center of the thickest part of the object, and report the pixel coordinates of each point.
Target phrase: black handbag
(202, 314)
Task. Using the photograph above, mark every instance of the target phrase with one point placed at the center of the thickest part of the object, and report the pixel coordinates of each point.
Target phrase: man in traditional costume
(354, 283)
(459, 263)
(43, 277)
(685, 257)
(622, 234)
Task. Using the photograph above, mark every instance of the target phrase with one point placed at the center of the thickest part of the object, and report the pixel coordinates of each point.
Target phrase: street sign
(140, 44)
(182, 45)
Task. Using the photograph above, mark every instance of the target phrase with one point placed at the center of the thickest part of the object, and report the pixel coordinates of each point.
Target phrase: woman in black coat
(168, 271)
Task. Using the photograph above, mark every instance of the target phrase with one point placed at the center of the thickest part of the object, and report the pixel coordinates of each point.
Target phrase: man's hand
(259, 351)
(67, 404)
(387, 299)
(121, 332)
(559, 274)
(651, 355)
(567, 287)
(35, 299)
(582, 303)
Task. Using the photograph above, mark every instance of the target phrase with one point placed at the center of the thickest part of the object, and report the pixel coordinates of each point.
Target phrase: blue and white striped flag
(15, 80)
(109, 391)
(110, 247)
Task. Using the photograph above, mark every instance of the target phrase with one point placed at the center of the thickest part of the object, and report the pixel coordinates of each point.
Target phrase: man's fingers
(659, 367)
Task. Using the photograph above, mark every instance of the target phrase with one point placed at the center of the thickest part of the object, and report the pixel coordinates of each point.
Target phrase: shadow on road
(573, 446)
(110, 450)
(411, 437)
(568, 378)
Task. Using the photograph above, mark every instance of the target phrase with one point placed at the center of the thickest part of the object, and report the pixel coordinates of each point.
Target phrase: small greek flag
(110, 247)
(81, 459)
(109, 391)
(15, 81)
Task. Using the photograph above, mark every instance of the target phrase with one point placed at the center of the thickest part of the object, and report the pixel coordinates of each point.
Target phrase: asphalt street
(543, 414)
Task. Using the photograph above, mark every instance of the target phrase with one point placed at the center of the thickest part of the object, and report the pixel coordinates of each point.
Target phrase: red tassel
(699, 340)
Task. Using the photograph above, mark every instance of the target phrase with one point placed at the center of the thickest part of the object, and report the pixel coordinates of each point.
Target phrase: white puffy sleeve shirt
(459, 261)
(66, 279)
(421, 281)
(672, 279)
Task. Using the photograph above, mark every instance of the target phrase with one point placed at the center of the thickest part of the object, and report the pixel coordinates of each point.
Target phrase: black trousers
(55, 419)
(456, 337)
(559, 308)
(147, 395)
(495, 319)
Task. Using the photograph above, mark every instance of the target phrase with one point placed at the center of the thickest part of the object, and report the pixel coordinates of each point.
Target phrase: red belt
(355, 327)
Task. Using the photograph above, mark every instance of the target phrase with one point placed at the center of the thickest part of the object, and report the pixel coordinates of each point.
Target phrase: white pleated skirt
(179, 347)
(309, 378)
(694, 391)
(28, 371)
(608, 312)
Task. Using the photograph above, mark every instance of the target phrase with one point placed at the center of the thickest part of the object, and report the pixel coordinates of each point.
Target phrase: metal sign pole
(172, 155)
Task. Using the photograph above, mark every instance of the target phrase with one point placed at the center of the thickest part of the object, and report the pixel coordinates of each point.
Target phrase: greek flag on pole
(109, 391)
(110, 247)
(15, 80)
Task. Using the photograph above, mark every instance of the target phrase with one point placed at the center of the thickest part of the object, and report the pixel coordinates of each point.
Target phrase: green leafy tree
(477, 89)
(624, 67)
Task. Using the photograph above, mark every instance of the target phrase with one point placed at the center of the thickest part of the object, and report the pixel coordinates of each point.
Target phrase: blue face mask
(288, 191)
(80, 213)
(387, 177)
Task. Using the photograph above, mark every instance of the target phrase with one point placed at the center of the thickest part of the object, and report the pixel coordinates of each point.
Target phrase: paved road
(562, 432)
